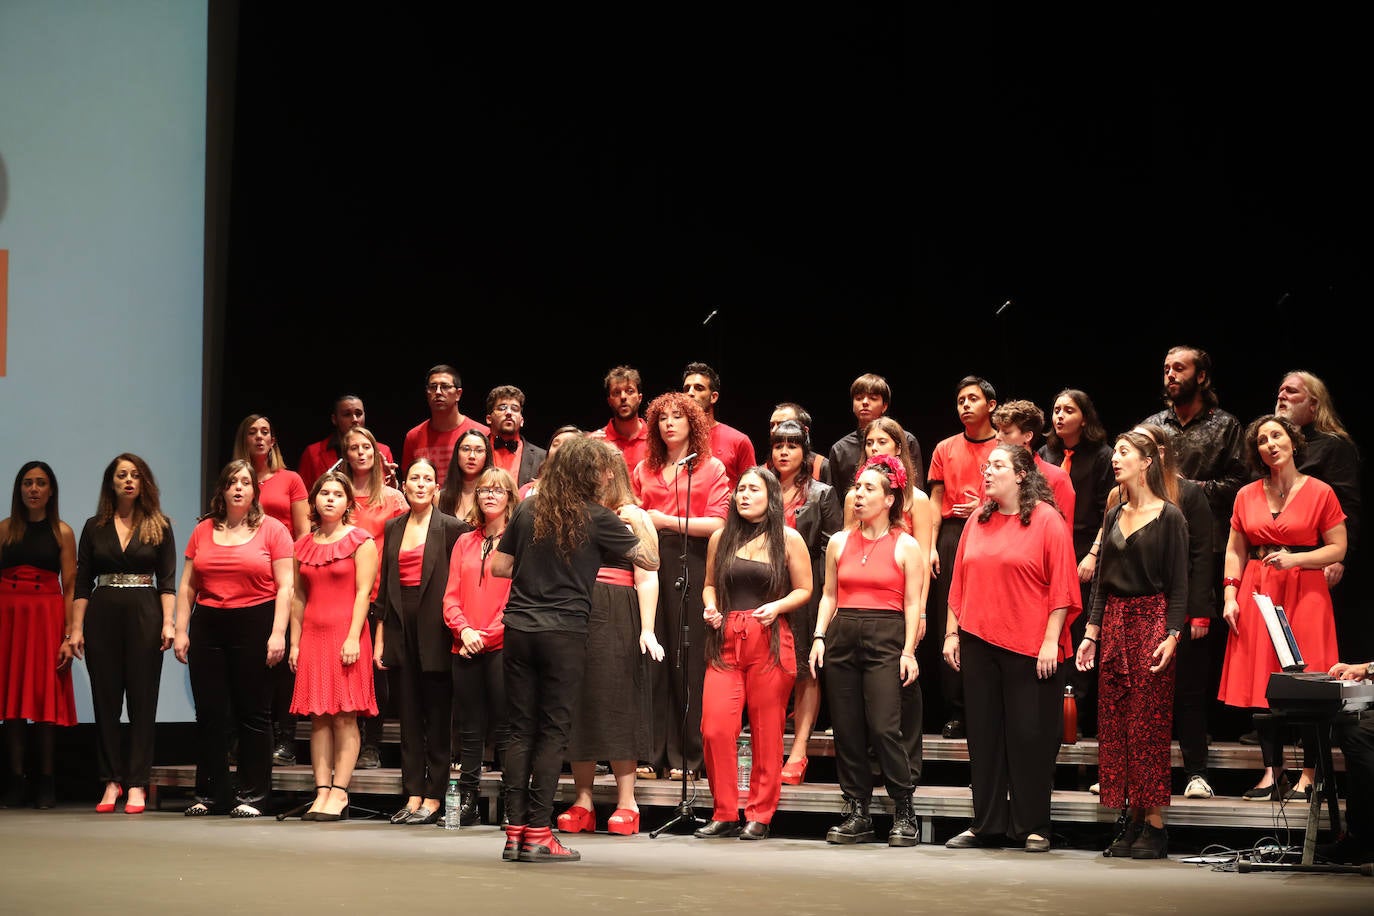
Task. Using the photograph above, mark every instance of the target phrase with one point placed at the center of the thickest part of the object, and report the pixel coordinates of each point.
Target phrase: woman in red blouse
(472, 609)
(679, 462)
(1013, 590)
(236, 586)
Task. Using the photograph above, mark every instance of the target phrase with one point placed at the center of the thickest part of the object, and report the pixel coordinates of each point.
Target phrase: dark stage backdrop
(537, 200)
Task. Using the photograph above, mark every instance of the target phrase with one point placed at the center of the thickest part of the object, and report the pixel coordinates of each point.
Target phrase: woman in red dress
(1285, 528)
(37, 582)
(336, 567)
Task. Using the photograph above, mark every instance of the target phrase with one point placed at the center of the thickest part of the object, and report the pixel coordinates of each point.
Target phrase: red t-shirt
(635, 449)
(239, 575)
(734, 450)
(279, 493)
(424, 442)
(1008, 578)
(1061, 486)
(957, 463)
(474, 597)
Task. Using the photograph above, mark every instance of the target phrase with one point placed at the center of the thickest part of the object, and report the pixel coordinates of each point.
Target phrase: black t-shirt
(546, 592)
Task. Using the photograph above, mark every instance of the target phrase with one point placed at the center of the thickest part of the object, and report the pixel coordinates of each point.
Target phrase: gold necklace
(863, 559)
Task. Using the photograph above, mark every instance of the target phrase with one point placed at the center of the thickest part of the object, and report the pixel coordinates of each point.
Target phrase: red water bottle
(1070, 716)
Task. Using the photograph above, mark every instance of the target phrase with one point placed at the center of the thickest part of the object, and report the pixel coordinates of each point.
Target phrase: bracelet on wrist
(1230, 580)
(910, 655)
(820, 636)
(1090, 639)
(951, 636)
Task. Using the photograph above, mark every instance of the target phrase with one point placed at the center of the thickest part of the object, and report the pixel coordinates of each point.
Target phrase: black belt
(1260, 551)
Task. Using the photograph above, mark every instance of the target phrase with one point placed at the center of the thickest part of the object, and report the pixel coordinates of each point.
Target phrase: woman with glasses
(471, 456)
(414, 646)
(1140, 602)
(473, 604)
(1013, 590)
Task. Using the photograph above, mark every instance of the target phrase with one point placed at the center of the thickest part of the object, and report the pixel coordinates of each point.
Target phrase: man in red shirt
(434, 438)
(510, 452)
(323, 455)
(626, 429)
(731, 446)
(956, 489)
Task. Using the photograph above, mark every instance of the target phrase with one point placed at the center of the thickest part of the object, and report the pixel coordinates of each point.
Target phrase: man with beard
(626, 429)
(511, 453)
(1206, 443)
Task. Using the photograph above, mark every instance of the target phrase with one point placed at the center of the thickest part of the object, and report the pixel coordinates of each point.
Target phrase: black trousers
(1357, 743)
(1014, 723)
(123, 629)
(1192, 699)
(479, 689)
(424, 704)
(947, 701)
(863, 686)
(228, 669)
(671, 690)
(543, 682)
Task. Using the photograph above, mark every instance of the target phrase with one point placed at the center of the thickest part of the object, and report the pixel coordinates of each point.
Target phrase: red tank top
(869, 576)
(410, 564)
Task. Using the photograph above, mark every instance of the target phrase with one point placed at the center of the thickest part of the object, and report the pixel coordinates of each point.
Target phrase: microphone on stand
(714, 313)
(1002, 307)
(335, 466)
(687, 460)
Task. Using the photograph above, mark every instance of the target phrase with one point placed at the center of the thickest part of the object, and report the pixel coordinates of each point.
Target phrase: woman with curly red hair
(685, 493)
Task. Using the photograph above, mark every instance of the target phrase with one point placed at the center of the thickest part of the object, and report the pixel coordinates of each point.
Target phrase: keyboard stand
(1318, 726)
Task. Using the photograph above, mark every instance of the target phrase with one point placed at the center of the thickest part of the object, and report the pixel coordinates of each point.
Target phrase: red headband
(889, 465)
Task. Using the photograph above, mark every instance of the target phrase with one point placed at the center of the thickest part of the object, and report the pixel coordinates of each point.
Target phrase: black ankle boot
(468, 812)
(857, 826)
(905, 831)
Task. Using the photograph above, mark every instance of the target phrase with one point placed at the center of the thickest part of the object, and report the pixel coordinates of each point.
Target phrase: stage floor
(72, 860)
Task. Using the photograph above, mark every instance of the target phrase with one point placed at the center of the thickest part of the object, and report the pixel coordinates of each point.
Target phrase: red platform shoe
(794, 774)
(577, 819)
(624, 822)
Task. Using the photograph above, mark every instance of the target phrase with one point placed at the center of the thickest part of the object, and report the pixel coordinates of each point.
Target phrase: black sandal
(342, 815)
(313, 815)
(199, 809)
(245, 811)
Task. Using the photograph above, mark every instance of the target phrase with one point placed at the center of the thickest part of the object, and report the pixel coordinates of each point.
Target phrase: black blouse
(1152, 561)
(98, 554)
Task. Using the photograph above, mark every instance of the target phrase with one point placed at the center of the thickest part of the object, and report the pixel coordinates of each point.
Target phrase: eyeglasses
(506, 408)
(994, 466)
(439, 386)
(472, 449)
(490, 491)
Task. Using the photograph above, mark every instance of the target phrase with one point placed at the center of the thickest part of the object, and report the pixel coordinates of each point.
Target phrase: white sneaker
(1095, 788)
(1198, 787)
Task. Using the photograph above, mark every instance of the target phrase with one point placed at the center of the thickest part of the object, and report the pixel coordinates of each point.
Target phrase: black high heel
(342, 815)
(314, 815)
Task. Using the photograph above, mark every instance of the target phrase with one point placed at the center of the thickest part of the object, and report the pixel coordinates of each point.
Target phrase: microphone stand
(683, 812)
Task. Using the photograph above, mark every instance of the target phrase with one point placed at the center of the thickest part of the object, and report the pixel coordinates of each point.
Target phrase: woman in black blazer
(414, 643)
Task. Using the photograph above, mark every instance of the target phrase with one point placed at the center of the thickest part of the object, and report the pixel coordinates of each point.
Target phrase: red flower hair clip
(889, 465)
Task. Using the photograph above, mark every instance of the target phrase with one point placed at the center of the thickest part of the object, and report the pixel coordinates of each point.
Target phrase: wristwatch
(1175, 633)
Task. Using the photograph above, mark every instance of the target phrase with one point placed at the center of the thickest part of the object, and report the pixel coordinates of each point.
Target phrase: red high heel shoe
(108, 807)
(624, 822)
(131, 808)
(794, 774)
(577, 819)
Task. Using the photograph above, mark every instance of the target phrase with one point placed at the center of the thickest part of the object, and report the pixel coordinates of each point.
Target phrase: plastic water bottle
(744, 757)
(453, 802)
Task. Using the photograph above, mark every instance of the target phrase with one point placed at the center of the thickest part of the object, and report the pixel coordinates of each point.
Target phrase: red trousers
(752, 676)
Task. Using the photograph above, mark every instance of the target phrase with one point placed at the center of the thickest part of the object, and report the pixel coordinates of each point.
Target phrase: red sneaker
(514, 836)
(540, 845)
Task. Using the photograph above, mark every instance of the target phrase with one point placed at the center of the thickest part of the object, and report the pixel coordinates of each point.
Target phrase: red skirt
(33, 620)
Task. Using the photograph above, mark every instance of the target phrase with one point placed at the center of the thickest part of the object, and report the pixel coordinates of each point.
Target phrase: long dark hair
(452, 491)
(736, 533)
(19, 516)
(1034, 488)
(793, 432)
(1094, 432)
(147, 518)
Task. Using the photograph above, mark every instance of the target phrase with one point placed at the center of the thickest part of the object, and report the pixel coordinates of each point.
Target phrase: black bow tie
(509, 445)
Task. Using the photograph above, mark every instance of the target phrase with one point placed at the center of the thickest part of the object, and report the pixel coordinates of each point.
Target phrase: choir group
(632, 594)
